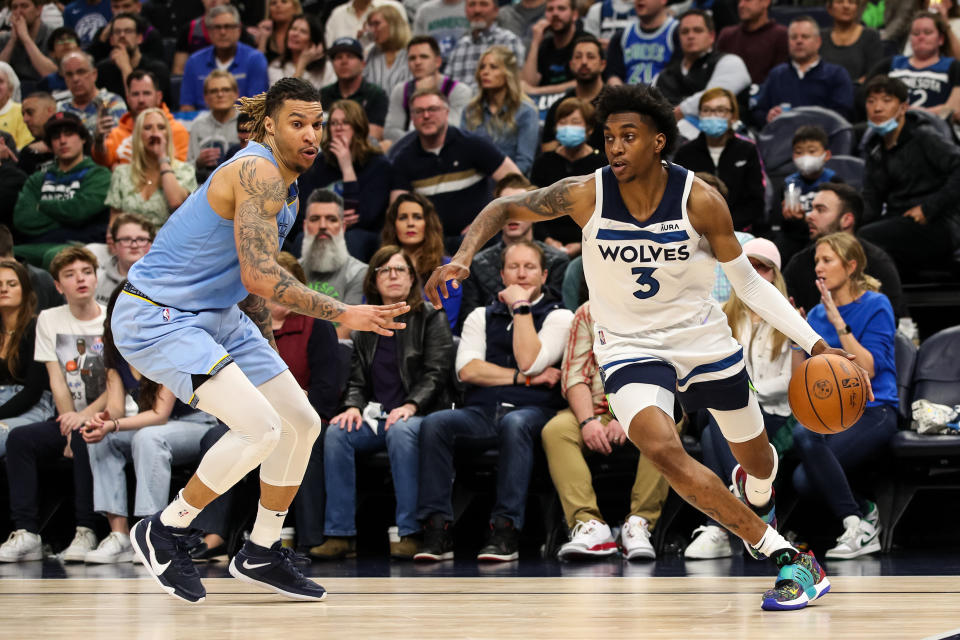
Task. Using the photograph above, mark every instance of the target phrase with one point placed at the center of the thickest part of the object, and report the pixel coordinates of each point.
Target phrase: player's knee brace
(740, 425)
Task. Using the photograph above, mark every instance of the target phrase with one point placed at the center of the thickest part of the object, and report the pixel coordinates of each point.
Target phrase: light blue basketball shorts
(171, 347)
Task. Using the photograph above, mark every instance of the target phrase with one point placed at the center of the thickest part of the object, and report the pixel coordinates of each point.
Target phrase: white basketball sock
(759, 490)
(266, 528)
(771, 542)
(179, 513)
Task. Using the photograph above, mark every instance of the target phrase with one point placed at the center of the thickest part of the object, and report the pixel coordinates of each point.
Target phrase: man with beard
(838, 207)
(547, 69)
(330, 268)
(587, 63)
(126, 35)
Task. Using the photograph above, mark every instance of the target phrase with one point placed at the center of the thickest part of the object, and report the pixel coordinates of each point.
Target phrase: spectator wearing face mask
(720, 152)
(574, 157)
(810, 156)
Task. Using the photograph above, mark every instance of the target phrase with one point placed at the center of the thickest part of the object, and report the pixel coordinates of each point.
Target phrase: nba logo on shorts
(166, 314)
(603, 338)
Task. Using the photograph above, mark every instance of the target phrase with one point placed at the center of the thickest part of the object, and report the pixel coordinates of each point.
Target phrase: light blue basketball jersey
(193, 264)
(646, 54)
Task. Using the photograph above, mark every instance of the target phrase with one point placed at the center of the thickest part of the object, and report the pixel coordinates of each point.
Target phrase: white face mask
(810, 165)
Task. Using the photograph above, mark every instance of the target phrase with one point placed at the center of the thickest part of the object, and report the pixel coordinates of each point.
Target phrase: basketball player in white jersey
(652, 234)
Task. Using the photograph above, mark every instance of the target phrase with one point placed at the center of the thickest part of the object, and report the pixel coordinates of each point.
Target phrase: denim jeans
(340, 447)
(825, 460)
(40, 412)
(153, 451)
(479, 427)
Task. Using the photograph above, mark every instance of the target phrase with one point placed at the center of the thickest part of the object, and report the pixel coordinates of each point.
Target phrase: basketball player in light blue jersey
(652, 234)
(193, 318)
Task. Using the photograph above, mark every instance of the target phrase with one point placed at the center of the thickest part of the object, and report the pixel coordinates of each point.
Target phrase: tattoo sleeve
(256, 309)
(260, 197)
(550, 202)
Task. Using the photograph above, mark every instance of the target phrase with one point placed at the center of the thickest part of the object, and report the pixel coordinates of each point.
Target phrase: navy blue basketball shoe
(165, 552)
(274, 569)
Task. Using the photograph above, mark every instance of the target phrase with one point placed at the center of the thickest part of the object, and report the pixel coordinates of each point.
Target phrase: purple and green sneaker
(801, 580)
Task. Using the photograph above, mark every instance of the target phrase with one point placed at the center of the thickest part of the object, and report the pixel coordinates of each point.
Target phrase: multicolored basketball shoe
(801, 580)
(766, 513)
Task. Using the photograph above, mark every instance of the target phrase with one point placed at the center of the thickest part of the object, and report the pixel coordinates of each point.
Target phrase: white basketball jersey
(652, 274)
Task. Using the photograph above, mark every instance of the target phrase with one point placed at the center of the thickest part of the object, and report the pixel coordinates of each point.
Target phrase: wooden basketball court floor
(395, 608)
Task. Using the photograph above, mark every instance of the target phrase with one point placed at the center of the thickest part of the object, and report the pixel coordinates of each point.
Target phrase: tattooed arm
(256, 308)
(259, 193)
(574, 197)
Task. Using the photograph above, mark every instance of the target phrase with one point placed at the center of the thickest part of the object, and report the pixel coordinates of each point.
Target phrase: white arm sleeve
(553, 340)
(473, 339)
(766, 301)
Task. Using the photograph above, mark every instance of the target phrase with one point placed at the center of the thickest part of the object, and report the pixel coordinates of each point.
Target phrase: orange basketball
(71, 366)
(827, 393)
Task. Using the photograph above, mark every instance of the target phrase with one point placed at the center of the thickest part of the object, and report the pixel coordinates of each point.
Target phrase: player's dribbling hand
(351, 419)
(376, 318)
(822, 347)
(437, 283)
(595, 437)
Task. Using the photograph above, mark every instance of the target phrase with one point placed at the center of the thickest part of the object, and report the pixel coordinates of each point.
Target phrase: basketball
(827, 393)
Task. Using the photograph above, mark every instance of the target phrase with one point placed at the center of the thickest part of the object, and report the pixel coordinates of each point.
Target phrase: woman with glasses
(387, 60)
(719, 151)
(413, 224)
(357, 171)
(304, 56)
(501, 111)
(394, 381)
(129, 238)
(155, 183)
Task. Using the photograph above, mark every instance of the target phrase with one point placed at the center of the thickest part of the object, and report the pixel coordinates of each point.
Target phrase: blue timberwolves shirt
(929, 86)
(193, 264)
(638, 56)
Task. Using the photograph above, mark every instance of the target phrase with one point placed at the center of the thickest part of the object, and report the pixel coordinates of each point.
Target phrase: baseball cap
(764, 251)
(62, 120)
(350, 45)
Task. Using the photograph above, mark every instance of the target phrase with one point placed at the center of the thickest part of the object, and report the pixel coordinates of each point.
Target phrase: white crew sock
(179, 513)
(267, 526)
(771, 542)
(759, 490)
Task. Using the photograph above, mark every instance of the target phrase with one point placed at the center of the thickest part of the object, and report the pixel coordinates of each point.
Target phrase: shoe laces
(182, 559)
(581, 528)
(79, 538)
(289, 559)
(112, 542)
(17, 538)
(850, 534)
(635, 529)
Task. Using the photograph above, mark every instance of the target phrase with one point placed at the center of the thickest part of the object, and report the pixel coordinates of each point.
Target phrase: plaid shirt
(114, 105)
(462, 65)
(579, 363)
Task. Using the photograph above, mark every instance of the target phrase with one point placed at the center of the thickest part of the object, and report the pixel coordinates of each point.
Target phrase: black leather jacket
(426, 356)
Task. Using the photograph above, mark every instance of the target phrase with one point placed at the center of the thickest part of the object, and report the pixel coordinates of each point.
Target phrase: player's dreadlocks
(266, 104)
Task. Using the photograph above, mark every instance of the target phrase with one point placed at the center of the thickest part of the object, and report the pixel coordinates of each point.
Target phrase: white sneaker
(635, 540)
(709, 541)
(589, 539)
(114, 548)
(21, 546)
(83, 543)
(859, 538)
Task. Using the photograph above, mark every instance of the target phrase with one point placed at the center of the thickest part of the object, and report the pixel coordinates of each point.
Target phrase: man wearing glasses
(446, 165)
(214, 131)
(86, 101)
(128, 239)
(247, 65)
(126, 36)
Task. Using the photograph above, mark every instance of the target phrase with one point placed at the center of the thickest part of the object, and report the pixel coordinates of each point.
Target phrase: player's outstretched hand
(437, 284)
(379, 319)
(821, 347)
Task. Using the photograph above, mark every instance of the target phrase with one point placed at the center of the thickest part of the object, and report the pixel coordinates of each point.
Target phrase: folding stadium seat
(923, 461)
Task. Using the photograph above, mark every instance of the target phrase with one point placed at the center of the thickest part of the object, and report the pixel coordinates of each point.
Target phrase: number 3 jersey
(645, 276)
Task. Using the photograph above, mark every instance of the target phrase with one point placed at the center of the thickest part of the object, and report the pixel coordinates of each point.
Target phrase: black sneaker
(274, 569)
(503, 544)
(437, 540)
(164, 551)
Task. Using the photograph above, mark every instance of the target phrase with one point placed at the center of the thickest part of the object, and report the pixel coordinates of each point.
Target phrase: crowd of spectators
(112, 113)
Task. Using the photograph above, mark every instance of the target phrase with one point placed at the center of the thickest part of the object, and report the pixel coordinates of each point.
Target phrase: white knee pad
(287, 463)
(740, 425)
(255, 428)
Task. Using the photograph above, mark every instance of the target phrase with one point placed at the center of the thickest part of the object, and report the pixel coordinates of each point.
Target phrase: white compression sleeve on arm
(766, 301)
